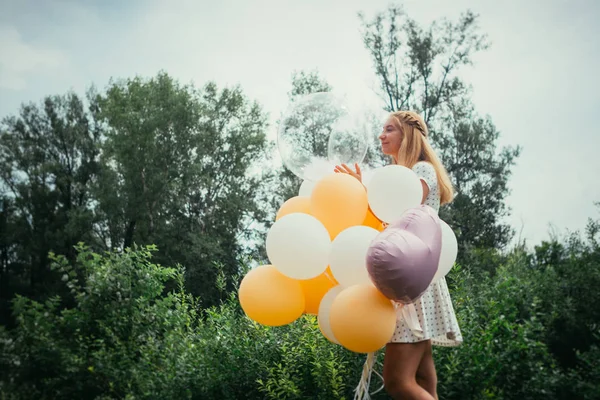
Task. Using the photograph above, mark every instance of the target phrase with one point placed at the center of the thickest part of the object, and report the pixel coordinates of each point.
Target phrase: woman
(409, 370)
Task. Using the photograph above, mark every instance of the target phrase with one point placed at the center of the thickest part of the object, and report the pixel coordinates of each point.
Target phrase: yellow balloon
(372, 221)
(362, 319)
(271, 298)
(314, 289)
(297, 204)
(339, 201)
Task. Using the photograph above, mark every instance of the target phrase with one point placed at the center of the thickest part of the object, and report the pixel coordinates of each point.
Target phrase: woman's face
(390, 138)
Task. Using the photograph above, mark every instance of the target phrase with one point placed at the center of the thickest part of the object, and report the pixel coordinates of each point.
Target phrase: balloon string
(362, 390)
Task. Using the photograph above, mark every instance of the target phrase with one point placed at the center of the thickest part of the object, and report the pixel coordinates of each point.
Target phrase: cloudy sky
(539, 80)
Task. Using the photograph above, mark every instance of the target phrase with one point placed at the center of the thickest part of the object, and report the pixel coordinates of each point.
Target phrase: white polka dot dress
(433, 309)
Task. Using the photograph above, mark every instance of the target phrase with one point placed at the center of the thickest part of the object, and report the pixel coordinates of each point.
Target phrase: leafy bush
(123, 335)
(125, 339)
(503, 355)
(122, 339)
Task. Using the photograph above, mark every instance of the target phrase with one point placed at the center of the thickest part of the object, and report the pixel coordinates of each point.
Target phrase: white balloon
(348, 255)
(367, 175)
(306, 188)
(449, 252)
(324, 309)
(298, 245)
(392, 190)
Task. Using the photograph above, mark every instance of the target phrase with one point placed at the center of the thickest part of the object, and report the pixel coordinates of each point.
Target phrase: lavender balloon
(403, 259)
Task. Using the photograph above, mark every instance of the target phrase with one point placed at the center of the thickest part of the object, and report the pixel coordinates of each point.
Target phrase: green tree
(48, 163)
(307, 82)
(177, 165)
(417, 69)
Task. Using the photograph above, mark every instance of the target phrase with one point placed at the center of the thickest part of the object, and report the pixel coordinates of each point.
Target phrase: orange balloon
(314, 289)
(297, 204)
(372, 221)
(271, 298)
(339, 201)
(362, 319)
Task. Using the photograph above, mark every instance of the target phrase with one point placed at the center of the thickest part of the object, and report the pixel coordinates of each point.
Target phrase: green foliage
(304, 82)
(124, 338)
(530, 328)
(309, 367)
(566, 278)
(291, 362)
(127, 336)
(177, 167)
(503, 355)
(582, 382)
(48, 163)
(149, 161)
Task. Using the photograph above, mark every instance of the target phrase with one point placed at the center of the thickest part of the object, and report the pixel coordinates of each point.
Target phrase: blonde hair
(415, 147)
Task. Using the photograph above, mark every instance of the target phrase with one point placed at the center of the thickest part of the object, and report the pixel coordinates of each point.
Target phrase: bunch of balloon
(317, 248)
(328, 244)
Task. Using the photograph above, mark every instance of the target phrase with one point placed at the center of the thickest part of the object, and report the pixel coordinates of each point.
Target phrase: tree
(149, 162)
(417, 68)
(304, 82)
(48, 163)
(176, 173)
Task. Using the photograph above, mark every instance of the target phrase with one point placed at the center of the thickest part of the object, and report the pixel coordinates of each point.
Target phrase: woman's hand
(347, 170)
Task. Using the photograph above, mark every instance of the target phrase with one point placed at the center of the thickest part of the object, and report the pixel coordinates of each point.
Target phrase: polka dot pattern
(426, 172)
(434, 308)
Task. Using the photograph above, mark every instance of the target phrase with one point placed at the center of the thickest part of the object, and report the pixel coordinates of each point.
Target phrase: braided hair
(412, 119)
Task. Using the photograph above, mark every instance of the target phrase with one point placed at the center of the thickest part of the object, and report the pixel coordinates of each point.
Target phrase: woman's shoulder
(423, 162)
(423, 166)
(426, 171)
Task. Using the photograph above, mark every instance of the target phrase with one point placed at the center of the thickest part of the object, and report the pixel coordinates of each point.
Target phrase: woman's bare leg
(400, 367)
(426, 375)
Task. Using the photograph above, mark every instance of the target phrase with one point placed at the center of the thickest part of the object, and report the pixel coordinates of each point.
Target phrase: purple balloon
(403, 259)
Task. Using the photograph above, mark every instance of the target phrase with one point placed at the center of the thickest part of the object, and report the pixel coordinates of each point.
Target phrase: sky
(538, 81)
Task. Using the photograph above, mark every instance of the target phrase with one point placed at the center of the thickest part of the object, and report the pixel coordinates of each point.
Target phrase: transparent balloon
(317, 132)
